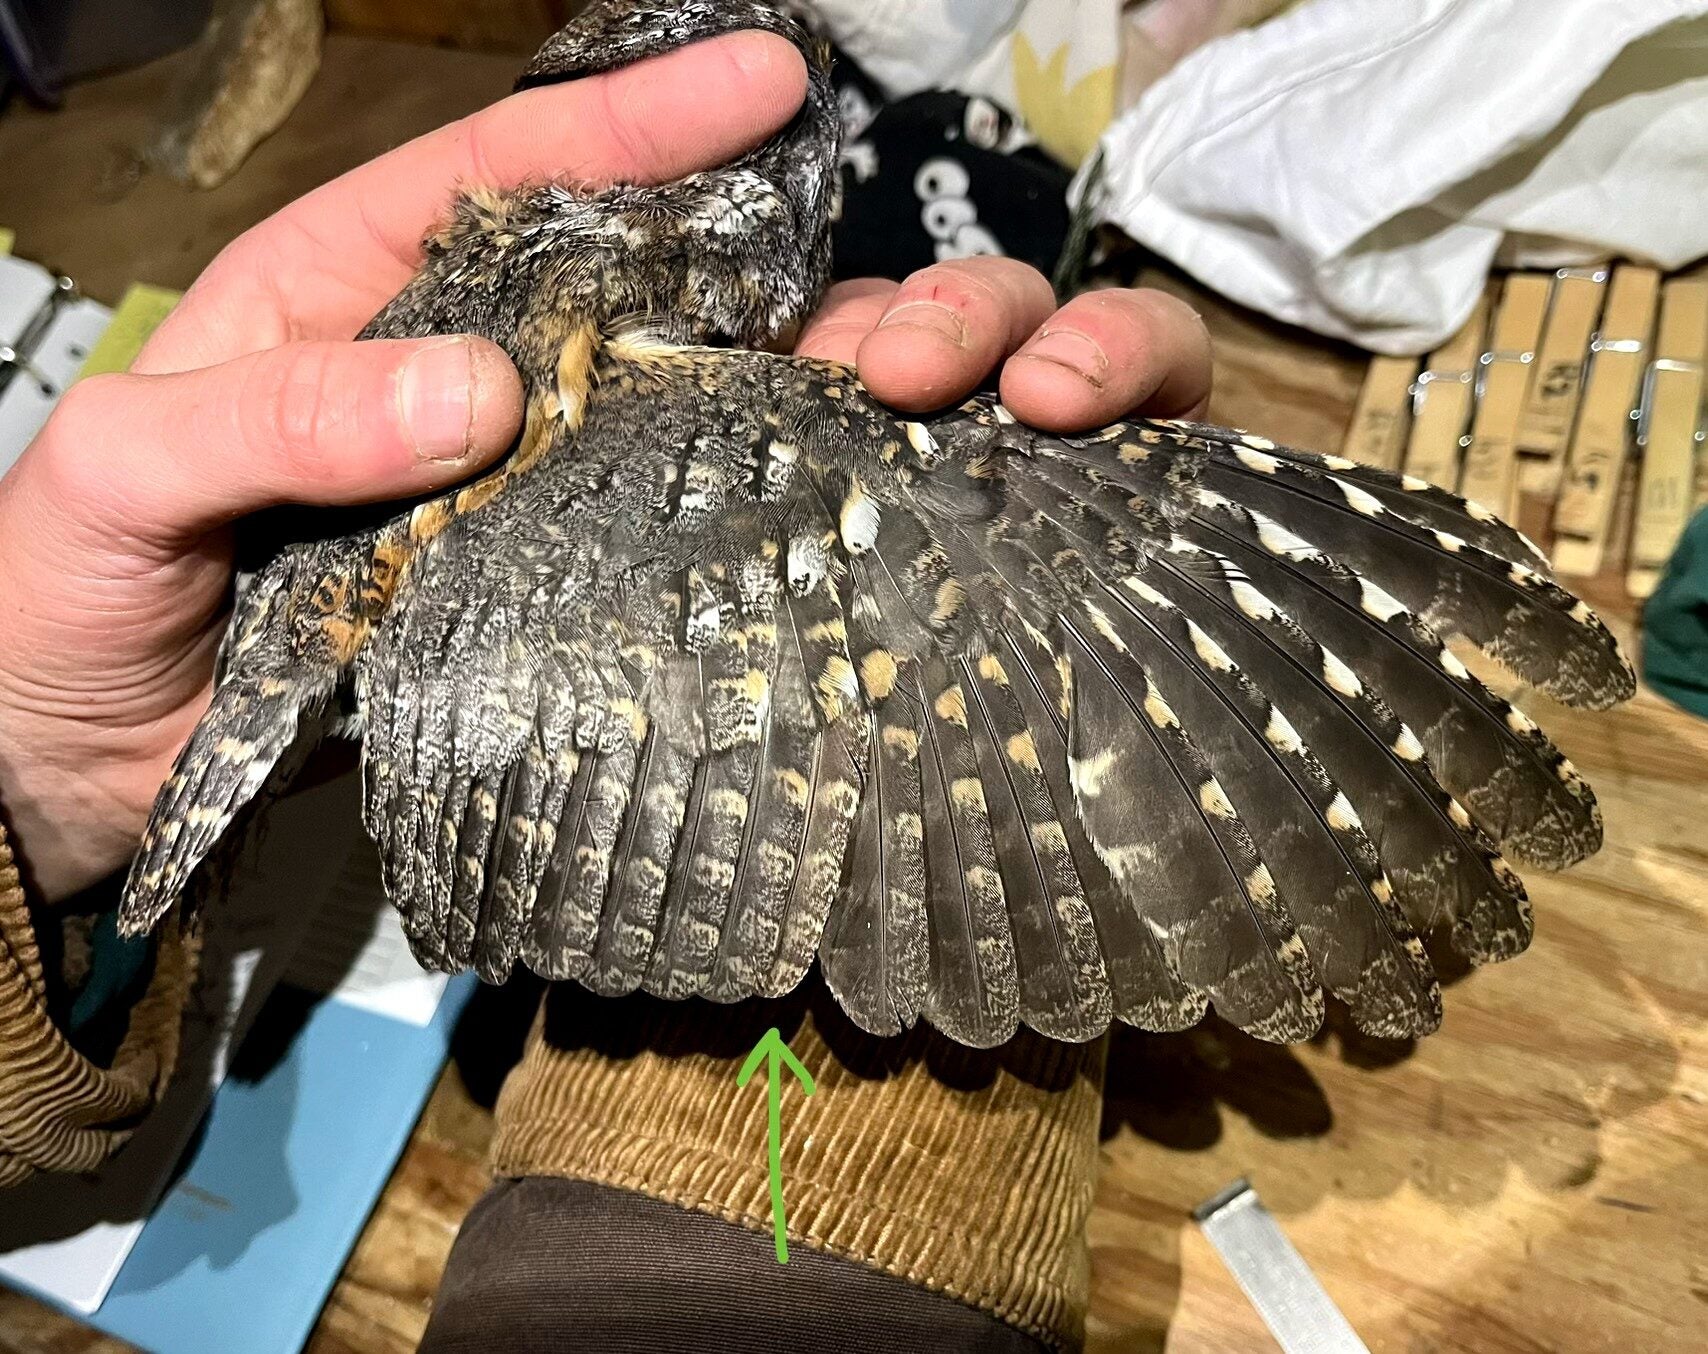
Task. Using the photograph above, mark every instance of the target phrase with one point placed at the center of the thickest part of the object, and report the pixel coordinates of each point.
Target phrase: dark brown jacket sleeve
(58, 1110)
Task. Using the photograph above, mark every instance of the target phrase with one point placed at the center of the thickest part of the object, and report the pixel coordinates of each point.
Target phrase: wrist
(67, 830)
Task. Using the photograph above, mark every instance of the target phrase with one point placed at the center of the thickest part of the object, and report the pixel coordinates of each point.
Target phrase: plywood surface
(1534, 1178)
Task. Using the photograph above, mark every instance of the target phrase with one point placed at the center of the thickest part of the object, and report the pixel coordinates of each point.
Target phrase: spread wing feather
(830, 795)
(1001, 727)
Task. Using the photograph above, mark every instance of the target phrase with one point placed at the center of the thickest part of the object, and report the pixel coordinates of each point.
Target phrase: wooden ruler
(1601, 438)
(1490, 476)
(1445, 390)
(1545, 428)
(1667, 431)
(1382, 417)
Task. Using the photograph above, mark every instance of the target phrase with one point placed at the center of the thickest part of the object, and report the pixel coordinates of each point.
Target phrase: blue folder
(244, 1247)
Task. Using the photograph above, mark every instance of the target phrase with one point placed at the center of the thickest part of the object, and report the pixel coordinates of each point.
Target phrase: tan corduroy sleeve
(967, 1172)
(58, 1110)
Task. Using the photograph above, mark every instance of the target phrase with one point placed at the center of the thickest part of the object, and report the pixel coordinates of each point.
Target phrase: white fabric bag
(1356, 167)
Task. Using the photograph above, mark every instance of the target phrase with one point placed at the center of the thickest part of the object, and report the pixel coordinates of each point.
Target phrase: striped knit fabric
(969, 1173)
(58, 1110)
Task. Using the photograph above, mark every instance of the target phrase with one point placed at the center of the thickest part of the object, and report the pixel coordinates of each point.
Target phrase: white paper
(67, 1237)
(358, 955)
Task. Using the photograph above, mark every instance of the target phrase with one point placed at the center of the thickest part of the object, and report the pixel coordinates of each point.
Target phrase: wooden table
(1532, 1179)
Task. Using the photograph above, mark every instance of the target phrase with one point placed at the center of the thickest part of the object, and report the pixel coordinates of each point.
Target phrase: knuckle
(622, 104)
(285, 410)
(951, 284)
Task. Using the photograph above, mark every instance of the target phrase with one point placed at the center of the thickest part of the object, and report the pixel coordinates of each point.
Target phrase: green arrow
(775, 1053)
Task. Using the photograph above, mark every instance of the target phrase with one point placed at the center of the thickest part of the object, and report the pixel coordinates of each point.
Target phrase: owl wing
(1001, 726)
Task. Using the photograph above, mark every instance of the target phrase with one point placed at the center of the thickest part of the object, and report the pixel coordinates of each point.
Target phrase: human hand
(115, 554)
(933, 339)
(115, 549)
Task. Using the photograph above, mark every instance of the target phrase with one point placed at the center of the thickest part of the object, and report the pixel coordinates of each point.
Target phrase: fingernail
(436, 395)
(932, 316)
(1069, 348)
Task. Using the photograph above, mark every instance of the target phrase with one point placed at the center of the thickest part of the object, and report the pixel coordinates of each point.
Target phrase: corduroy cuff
(58, 1110)
(969, 1173)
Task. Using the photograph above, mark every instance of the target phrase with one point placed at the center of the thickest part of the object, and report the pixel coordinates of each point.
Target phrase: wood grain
(489, 25)
(1532, 1179)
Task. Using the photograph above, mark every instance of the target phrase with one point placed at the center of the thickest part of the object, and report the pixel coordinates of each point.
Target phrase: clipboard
(1602, 437)
(1441, 404)
(47, 329)
(1551, 406)
(1490, 474)
(1669, 430)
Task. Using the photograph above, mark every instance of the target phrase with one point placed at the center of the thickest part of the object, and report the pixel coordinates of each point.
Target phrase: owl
(727, 668)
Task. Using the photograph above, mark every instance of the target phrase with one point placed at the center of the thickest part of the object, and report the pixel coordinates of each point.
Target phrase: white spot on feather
(1378, 602)
(1249, 600)
(1280, 732)
(859, 520)
(920, 439)
(1339, 463)
(1406, 746)
(1161, 713)
(1358, 499)
(1341, 816)
(1103, 625)
(1256, 460)
(1140, 588)
(1449, 542)
(1451, 665)
(1214, 799)
(1340, 677)
(1087, 773)
(1277, 540)
(1211, 653)
(806, 564)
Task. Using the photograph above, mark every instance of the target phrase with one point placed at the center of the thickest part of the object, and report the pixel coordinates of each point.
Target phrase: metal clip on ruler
(1669, 431)
(1441, 406)
(1601, 441)
(1490, 474)
(1551, 406)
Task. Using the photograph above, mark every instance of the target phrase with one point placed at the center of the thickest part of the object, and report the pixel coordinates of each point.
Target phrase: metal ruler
(1293, 1304)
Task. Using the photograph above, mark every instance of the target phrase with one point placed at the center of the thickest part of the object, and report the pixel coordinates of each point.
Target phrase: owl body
(728, 668)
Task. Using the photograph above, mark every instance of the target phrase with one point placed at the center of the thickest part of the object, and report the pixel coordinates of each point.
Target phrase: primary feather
(728, 667)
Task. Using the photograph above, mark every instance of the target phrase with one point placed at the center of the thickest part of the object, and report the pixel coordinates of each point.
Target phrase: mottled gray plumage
(728, 667)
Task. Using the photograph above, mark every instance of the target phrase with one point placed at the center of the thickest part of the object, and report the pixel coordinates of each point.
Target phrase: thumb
(174, 455)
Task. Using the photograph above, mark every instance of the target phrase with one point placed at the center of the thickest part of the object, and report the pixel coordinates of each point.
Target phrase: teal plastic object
(1675, 624)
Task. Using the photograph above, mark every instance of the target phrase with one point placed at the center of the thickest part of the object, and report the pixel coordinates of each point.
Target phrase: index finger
(322, 266)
